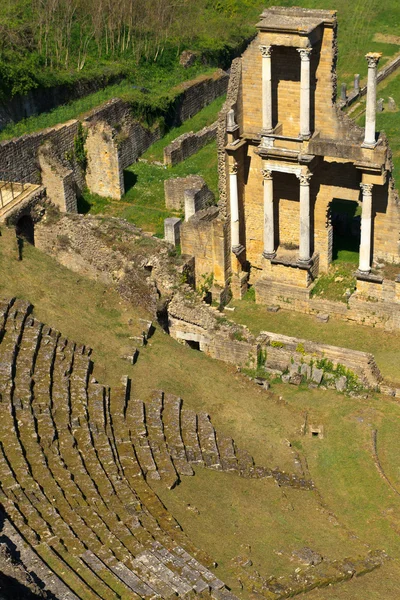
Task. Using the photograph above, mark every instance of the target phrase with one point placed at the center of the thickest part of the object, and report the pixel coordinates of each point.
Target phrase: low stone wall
(188, 144)
(197, 94)
(374, 304)
(176, 187)
(294, 359)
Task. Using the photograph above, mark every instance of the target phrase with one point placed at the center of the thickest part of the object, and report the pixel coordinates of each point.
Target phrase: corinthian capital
(304, 178)
(265, 51)
(366, 188)
(233, 168)
(267, 174)
(305, 53)
(373, 59)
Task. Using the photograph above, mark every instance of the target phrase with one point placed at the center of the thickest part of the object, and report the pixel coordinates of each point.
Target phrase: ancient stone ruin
(287, 156)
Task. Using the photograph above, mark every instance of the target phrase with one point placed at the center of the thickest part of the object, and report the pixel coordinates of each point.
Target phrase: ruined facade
(288, 158)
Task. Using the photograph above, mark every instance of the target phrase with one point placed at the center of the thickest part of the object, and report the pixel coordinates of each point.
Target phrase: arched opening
(345, 217)
(25, 229)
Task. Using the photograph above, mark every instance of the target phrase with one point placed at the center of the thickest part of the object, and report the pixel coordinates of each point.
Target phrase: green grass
(205, 117)
(158, 84)
(384, 345)
(339, 280)
(144, 202)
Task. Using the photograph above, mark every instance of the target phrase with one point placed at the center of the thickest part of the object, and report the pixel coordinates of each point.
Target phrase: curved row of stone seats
(169, 440)
(70, 479)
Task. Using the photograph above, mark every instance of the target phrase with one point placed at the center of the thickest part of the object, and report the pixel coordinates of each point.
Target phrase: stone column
(366, 228)
(370, 117)
(305, 55)
(266, 89)
(234, 205)
(305, 245)
(269, 234)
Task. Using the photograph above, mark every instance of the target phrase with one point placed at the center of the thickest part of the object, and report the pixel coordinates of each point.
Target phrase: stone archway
(25, 229)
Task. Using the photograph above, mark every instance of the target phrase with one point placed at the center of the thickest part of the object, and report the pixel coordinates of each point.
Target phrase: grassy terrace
(385, 346)
(353, 510)
(160, 85)
(143, 203)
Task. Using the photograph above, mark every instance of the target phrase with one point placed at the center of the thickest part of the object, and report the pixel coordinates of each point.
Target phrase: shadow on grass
(130, 180)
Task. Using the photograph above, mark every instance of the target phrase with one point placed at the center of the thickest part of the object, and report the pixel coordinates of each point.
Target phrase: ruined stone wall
(175, 187)
(233, 101)
(197, 241)
(19, 156)
(104, 174)
(284, 353)
(58, 180)
(373, 304)
(199, 93)
(204, 237)
(188, 144)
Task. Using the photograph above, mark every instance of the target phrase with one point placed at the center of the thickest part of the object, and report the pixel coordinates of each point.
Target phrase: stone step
(171, 418)
(227, 454)
(122, 590)
(157, 441)
(135, 421)
(245, 462)
(207, 440)
(190, 437)
(66, 574)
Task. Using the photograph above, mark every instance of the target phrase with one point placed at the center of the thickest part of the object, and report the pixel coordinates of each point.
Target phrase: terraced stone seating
(74, 462)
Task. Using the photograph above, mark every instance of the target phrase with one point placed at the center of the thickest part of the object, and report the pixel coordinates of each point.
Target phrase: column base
(304, 136)
(362, 272)
(269, 255)
(369, 145)
(237, 250)
(304, 262)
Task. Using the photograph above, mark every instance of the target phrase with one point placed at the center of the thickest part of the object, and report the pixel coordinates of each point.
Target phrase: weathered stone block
(317, 375)
(172, 230)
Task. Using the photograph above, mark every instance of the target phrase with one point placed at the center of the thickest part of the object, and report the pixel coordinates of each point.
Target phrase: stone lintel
(299, 23)
(278, 154)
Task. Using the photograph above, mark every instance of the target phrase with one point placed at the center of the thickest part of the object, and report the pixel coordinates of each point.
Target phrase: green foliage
(261, 357)
(337, 285)
(300, 348)
(353, 382)
(205, 285)
(276, 344)
(250, 295)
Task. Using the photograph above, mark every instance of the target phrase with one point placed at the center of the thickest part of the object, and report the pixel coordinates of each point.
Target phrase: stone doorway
(345, 218)
(25, 229)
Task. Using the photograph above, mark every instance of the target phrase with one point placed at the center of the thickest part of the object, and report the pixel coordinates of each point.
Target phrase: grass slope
(357, 511)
